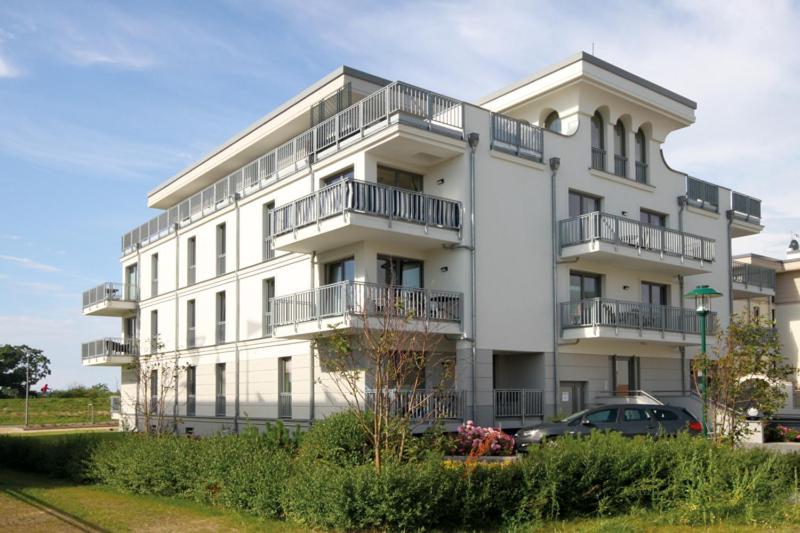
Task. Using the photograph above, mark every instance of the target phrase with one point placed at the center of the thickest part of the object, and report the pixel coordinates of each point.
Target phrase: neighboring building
(278, 233)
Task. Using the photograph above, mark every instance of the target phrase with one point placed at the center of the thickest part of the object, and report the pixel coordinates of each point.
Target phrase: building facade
(539, 233)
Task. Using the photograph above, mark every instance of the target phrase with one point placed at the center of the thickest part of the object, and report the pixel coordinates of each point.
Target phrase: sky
(102, 101)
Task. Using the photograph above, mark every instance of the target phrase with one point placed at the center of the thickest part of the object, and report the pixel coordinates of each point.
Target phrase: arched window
(553, 122)
(620, 161)
(641, 157)
(598, 143)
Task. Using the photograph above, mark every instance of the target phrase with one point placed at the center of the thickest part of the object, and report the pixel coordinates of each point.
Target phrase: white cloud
(7, 70)
(28, 263)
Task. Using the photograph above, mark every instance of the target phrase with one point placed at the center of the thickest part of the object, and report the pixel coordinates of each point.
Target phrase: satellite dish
(794, 246)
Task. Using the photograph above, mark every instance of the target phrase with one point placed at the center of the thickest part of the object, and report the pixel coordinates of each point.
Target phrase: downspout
(682, 200)
(555, 162)
(312, 399)
(137, 337)
(473, 139)
(177, 271)
(238, 309)
(730, 265)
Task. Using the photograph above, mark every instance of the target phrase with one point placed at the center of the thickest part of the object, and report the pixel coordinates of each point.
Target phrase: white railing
(421, 404)
(109, 291)
(632, 315)
(397, 102)
(517, 136)
(598, 226)
(518, 403)
(752, 275)
(355, 196)
(370, 299)
(108, 347)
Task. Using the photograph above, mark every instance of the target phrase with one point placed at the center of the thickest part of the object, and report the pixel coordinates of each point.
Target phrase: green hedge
(335, 486)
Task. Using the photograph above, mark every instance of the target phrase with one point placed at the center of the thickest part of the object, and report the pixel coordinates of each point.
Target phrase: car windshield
(575, 416)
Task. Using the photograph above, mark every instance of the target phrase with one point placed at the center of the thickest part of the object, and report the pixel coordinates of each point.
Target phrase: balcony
(397, 103)
(702, 194)
(518, 405)
(345, 305)
(517, 137)
(751, 281)
(110, 299)
(604, 318)
(353, 210)
(422, 404)
(108, 352)
(745, 215)
(618, 241)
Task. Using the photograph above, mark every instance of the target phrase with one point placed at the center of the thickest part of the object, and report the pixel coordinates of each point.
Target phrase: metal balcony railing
(598, 159)
(220, 405)
(397, 102)
(355, 196)
(621, 166)
(702, 194)
(108, 347)
(752, 275)
(284, 405)
(632, 315)
(371, 299)
(110, 291)
(746, 207)
(599, 226)
(641, 172)
(517, 136)
(518, 403)
(421, 404)
(219, 335)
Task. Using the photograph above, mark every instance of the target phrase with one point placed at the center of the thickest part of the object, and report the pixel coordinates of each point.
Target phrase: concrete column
(630, 153)
(609, 144)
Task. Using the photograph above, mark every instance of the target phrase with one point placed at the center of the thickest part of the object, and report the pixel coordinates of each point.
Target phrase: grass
(30, 502)
(53, 411)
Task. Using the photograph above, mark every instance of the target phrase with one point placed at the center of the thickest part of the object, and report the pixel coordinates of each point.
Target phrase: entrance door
(571, 396)
(625, 375)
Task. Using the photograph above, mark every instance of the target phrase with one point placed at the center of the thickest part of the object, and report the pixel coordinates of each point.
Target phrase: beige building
(539, 232)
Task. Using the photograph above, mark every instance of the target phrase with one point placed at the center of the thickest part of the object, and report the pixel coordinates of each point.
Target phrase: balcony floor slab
(744, 291)
(606, 333)
(108, 360)
(115, 308)
(642, 258)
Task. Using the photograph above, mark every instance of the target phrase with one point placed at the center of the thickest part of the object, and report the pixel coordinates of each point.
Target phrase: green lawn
(53, 411)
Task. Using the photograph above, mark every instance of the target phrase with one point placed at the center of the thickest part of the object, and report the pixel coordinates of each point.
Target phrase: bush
(475, 440)
(339, 440)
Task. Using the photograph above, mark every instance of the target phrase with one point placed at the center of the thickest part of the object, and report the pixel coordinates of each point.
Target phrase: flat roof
(589, 58)
(341, 71)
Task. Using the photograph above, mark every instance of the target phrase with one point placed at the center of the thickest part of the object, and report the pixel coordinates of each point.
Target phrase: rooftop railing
(598, 226)
(517, 136)
(355, 196)
(702, 194)
(397, 102)
(632, 315)
(108, 347)
(370, 299)
(746, 207)
(109, 291)
(752, 275)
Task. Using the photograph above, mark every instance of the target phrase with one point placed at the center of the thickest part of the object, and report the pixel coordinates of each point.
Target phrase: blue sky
(100, 102)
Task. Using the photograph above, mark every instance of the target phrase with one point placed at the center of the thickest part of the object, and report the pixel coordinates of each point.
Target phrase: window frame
(191, 323)
(191, 390)
(191, 260)
(154, 331)
(582, 198)
(416, 179)
(583, 277)
(154, 275)
(397, 266)
(340, 263)
(220, 317)
(222, 246)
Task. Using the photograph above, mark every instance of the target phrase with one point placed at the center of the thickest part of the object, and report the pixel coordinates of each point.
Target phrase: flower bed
(782, 433)
(477, 441)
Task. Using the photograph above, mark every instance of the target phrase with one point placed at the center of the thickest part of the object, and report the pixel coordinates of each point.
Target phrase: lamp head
(702, 295)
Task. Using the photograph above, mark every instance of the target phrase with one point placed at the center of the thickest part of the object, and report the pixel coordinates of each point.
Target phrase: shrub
(338, 439)
(476, 440)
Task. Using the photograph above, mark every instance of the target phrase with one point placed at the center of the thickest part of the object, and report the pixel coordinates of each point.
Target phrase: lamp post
(702, 295)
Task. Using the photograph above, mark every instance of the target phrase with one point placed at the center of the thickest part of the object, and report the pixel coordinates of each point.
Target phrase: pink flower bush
(476, 440)
(783, 434)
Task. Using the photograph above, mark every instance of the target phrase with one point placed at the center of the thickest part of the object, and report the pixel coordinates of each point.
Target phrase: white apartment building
(539, 231)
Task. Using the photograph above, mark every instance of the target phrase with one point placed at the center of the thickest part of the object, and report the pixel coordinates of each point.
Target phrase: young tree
(156, 382)
(14, 360)
(380, 366)
(748, 371)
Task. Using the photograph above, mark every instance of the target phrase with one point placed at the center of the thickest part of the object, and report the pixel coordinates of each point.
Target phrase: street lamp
(702, 295)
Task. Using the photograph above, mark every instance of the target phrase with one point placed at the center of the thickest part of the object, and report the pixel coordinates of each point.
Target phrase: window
(268, 251)
(268, 294)
(154, 331)
(153, 392)
(620, 152)
(191, 260)
(399, 178)
(220, 407)
(341, 270)
(641, 157)
(343, 175)
(603, 416)
(652, 218)
(635, 415)
(663, 414)
(154, 275)
(220, 331)
(190, 324)
(598, 142)
(400, 271)
(655, 293)
(131, 282)
(221, 246)
(582, 204)
(129, 329)
(191, 390)
(553, 122)
(583, 286)
(285, 387)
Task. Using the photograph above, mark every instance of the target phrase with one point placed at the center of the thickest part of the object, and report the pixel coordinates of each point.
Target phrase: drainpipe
(312, 400)
(682, 201)
(729, 213)
(238, 309)
(555, 162)
(175, 326)
(137, 337)
(472, 140)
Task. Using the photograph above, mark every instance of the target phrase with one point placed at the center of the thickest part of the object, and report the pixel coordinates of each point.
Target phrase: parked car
(628, 419)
